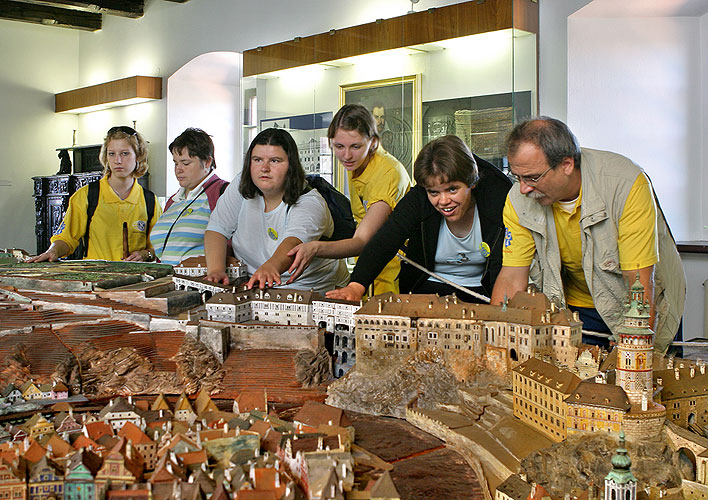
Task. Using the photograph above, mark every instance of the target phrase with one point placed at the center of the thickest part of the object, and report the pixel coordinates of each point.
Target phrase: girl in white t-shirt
(268, 214)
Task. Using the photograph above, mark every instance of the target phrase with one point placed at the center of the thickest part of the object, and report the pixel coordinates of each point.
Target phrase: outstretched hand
(50, 255)
(265, 276)
(353, 291)
(218, 277)
(303, 254)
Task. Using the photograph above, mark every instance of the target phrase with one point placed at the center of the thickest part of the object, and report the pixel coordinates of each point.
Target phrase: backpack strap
(150, 199)
(94, 189)
(214, 190)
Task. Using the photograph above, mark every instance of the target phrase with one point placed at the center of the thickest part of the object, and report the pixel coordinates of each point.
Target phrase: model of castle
(558, 403)
(391, 327)
(291, 308)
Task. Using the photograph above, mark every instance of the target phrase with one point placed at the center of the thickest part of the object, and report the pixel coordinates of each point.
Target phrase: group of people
(579, 223)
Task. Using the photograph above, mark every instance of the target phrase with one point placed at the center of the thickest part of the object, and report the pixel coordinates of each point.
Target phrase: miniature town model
(152, 385)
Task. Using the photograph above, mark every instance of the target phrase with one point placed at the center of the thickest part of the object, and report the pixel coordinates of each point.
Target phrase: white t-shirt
(460, 260)
(256, 234)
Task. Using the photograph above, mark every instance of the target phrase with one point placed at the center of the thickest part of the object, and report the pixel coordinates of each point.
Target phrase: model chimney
(693, 371)
(676, 373)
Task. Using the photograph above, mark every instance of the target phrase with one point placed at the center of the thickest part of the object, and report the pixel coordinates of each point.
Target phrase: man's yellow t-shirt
(636, 241)
(383, 179)
(106, 230)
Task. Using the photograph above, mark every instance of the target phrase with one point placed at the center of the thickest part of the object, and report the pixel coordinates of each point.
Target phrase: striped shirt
(187, 236)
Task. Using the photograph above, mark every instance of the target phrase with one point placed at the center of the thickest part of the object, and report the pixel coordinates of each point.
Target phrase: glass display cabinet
(468, 69)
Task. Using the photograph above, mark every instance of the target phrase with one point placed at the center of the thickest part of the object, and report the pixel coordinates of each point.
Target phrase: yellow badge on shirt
(273, 234)
(484, 249)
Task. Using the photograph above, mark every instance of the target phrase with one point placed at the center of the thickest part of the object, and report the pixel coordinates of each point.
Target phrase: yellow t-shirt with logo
(636, 241)
(383, 179)
(106, 230)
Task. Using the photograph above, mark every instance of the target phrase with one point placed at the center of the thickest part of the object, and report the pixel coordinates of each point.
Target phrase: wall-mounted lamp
(123, 92)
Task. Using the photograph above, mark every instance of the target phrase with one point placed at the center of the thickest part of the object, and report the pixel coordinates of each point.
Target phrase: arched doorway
(686, 462)
(216, 78)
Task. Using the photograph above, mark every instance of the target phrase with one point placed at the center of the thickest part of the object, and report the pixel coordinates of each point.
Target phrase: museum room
(451, 250)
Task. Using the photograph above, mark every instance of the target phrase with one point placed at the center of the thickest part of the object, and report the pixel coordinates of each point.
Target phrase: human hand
(217, 277)
(303, 253)
(138, 256)
(353, 291)
(265, 276)
(50, 255)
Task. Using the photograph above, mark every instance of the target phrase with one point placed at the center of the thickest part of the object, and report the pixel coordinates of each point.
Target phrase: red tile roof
(132, 432)
(271, 369)
(98, 429)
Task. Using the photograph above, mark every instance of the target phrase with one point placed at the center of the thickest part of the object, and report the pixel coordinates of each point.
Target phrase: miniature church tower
(620, 483)
(634, 349)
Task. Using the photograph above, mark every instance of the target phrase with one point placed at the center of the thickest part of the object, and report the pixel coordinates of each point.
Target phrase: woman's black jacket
(416, 220)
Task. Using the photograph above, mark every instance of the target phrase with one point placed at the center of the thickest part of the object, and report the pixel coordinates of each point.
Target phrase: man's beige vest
(607, 179)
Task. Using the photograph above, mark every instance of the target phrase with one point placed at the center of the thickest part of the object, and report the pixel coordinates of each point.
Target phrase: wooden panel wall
(467, 18)
(125, 88)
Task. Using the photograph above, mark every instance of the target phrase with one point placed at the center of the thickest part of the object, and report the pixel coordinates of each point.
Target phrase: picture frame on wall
(396, 105)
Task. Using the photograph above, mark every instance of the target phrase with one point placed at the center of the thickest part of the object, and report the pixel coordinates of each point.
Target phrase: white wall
(553, 55)
(633, 85)
(37, 61)
(636, 86)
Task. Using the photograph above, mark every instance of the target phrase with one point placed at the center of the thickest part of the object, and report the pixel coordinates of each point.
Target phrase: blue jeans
(592, 321)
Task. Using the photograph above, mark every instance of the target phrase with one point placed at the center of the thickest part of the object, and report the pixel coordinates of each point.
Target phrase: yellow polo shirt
(106, 230)
(383, 179)
(636, 240)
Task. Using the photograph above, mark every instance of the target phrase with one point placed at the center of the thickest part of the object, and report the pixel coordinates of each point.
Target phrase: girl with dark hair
(268, 214)
(120, 202)
(377, 182)
(452, 220)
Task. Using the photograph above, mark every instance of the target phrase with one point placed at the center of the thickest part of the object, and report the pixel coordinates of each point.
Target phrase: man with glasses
(582, 223)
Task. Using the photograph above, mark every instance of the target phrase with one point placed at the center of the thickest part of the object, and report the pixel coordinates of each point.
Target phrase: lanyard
(167, 236)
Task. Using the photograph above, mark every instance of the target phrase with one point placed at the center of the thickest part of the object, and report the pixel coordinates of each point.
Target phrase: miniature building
(513, 488)
(13, 483)
(196, 266)
(337, 316)
(539, 393)
(391, 327)
(286, 306)
(684, 393)
(596, 407)
(620, 483)
(634, 349)
(80, 476)
(628, 405)
(119, 412)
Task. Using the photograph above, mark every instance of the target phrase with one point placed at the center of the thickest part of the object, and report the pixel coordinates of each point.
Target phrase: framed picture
(396, 105)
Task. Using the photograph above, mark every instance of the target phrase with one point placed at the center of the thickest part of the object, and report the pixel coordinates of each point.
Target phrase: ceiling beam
(51, 16)
(123, 8)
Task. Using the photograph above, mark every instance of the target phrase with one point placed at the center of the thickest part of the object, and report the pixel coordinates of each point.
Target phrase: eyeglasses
(122, 128)
(529, 180)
